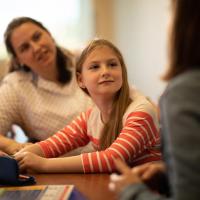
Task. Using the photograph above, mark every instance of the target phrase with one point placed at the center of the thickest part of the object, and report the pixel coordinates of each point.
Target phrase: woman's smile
(42, 56)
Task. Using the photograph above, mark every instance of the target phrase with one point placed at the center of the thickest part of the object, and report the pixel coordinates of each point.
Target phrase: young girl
(123, 123)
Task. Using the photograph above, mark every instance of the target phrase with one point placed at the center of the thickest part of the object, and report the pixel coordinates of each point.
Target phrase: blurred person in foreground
(180, 117)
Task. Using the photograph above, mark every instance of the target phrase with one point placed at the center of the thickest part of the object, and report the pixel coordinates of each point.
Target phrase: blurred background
(137, 27)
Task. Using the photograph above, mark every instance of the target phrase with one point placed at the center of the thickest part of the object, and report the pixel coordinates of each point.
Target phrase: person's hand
(28, 161)
(3, 153)
(15, 147)
(128, 176)
(148, 170)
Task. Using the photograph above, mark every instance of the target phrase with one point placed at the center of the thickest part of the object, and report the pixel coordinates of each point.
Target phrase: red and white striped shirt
(137, 143)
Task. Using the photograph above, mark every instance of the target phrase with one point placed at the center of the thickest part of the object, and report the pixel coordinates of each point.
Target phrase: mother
(41, 94)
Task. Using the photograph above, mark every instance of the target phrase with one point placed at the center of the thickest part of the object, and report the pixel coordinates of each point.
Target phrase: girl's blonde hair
(122, 99)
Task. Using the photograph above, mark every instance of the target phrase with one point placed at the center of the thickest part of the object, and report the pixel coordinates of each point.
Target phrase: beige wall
(139, 29)
(104, 19)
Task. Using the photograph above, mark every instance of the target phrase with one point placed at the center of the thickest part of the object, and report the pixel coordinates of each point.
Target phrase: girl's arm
(64, 165)
(69, 138)
(72, 136)
(34, 148)
(138, 133)
(65, 140)
(32, 158)
(135, 143)
(30, 161)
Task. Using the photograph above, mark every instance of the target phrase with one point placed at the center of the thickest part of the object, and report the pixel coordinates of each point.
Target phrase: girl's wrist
(44, 165)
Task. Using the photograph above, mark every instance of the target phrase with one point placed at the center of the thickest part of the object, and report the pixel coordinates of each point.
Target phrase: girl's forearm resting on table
(64, 165)
(57, 165)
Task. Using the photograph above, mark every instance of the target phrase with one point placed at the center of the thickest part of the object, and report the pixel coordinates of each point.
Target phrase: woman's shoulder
(184, 83)
(183, 89)
(17, 76)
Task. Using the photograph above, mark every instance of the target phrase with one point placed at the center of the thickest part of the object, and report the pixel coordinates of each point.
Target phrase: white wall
(140, 31)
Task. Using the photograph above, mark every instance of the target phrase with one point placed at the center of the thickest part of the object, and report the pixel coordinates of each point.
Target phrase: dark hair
(122, 99)
(63, 60)
(184, 41)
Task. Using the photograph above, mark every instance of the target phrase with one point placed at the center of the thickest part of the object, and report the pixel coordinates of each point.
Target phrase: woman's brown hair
(122, 99)
(64, 60)
(184, 40)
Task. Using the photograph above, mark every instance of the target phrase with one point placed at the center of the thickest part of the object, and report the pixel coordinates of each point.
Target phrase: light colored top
(39, 106)
(138, 142)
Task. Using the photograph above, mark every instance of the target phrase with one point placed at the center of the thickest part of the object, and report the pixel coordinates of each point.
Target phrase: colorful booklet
(40, 192)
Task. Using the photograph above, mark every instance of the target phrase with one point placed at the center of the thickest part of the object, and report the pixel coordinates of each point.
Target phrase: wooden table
(92, 186)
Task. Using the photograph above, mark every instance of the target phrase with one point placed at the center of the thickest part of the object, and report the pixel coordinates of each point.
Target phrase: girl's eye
(113, 64)
(37, 36)
(93, 67)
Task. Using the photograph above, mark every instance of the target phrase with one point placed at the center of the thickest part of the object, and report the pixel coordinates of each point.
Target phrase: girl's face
(101, 73)
(34, 47)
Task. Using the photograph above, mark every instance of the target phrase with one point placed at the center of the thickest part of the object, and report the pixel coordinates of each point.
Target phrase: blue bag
(9, 173)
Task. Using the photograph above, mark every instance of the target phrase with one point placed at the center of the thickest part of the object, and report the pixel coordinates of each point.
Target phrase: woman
(41, 94)
(122, 124)
(180, 115)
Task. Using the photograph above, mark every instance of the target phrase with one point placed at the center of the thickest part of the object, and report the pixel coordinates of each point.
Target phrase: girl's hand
(30, 161)
(127, 177)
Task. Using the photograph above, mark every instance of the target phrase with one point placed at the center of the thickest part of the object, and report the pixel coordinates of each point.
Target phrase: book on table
(41, 192)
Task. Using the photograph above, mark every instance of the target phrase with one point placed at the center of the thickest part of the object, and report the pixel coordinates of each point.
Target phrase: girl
(122, 124)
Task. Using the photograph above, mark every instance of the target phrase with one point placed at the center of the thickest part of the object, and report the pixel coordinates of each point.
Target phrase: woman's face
(34, 47)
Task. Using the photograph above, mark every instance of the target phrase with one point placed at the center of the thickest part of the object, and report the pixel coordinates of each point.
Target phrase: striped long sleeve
(70, 137)
(136, 144)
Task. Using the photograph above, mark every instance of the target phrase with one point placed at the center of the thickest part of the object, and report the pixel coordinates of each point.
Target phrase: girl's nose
(105, 70)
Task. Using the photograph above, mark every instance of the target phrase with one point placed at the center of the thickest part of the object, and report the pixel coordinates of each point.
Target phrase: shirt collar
(54, 87)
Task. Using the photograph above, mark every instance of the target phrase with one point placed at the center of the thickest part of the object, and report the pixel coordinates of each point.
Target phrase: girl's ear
(80, 81)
